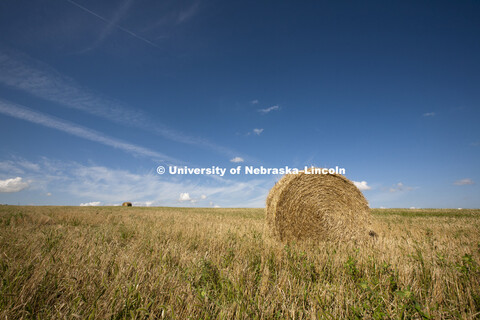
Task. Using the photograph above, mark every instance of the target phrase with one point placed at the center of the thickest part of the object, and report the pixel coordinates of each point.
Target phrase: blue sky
(95, 95)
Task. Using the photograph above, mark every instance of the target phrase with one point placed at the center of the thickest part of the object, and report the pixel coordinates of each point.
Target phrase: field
(178, 263)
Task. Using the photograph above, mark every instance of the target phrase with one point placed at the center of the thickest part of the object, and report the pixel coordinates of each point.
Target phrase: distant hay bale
(127, 204)
(312, 206)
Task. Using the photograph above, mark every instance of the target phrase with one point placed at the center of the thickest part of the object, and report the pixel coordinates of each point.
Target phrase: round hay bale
(127, 204)
(312, 206)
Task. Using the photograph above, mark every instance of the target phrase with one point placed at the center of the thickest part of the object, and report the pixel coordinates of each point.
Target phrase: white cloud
(90, 204)
(257, 131)
(13, 185)
(254, 101)
(464, 182)
(203, 197)
(429, 114)
(184, 197)
(267, 110)
(362, 185)
(237, 160)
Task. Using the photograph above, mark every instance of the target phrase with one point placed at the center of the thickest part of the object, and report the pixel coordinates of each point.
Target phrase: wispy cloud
(143, 203)
(113, 23)
(429, 114)
(18, 166)
(464, 182)
(254, 101)
(237, 160)
(257, 131)
(23, 73)
(23, 113)
(13, 185)
(400, 187)
(188, 13)
(362, 185)
(267, 110)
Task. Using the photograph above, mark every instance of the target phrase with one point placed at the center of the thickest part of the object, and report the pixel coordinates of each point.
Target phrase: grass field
(177, 263)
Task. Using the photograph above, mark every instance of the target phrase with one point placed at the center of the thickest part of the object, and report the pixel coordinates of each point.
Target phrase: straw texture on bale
(127, 204)
(316, 207)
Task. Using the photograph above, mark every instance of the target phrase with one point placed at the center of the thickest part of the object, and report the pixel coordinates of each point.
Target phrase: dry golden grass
(176, 263)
